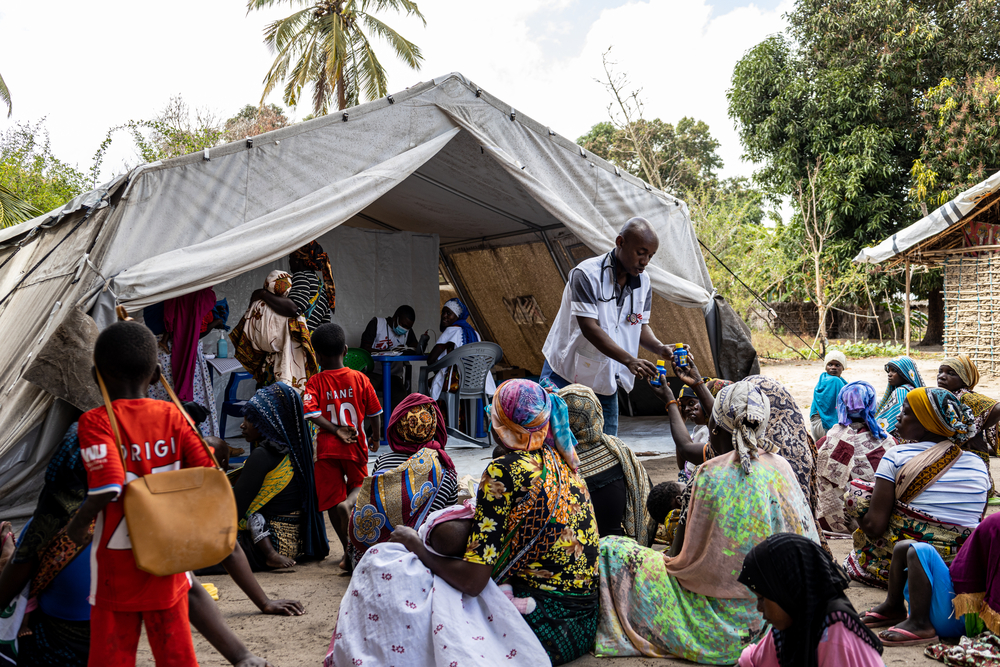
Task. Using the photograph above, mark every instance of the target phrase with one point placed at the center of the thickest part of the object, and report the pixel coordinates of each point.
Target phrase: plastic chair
(232, 405)
(474, 361)
(359, 360)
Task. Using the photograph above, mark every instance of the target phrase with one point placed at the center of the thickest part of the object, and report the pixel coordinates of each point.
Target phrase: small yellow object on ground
(212, 590)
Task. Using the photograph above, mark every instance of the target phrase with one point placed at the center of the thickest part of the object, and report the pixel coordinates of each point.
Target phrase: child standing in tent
(123, 596)
(337, 400)
(823, 413)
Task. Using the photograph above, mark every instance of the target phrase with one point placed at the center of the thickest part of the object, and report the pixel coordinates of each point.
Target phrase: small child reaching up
(664, 505)
(337, 400)
(823, 413)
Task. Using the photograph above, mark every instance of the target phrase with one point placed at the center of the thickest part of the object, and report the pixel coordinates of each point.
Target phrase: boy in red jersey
(155, 437)
(337, 400)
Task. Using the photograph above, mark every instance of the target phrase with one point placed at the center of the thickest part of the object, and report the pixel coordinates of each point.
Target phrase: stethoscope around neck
(608, 264)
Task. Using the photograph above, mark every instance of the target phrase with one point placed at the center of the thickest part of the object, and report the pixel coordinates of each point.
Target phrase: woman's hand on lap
(406, 536)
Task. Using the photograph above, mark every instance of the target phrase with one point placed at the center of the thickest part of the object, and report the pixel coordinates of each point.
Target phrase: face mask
(400, 331)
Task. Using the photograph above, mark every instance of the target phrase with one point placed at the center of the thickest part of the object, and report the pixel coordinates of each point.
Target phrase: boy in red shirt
(155, 437)
(337, 400)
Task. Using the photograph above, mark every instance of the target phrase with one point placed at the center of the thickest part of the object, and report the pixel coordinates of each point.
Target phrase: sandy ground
(291, 642)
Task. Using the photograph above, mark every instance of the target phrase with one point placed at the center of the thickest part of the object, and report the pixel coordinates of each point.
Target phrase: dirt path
(294, 642)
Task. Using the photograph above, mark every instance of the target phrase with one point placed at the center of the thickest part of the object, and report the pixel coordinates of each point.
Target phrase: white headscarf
(836, 355)
(743, 410)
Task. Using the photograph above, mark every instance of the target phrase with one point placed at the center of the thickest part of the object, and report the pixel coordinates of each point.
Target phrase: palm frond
(5, 96)
(13, 209)
(405, 50)
(404, 6)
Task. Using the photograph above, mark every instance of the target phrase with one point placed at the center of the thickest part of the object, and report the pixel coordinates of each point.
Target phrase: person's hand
(406, 536)
(347, 434)
(77, 531)
(373, 444)
(689, 374)
(283, 608)
(253, 661)
(641, 368)
(663, 392)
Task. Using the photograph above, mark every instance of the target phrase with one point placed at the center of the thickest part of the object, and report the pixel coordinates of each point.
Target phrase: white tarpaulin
(930, 225)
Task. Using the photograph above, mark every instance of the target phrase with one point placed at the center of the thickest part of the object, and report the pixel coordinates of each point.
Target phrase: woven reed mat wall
(972, 309)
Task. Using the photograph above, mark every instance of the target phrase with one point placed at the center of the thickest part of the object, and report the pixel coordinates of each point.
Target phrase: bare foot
(278, 561)
(8, 541)
(882, 615)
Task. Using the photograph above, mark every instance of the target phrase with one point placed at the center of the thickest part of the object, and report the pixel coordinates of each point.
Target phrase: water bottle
(681, 355)
(661, 371)
(223, 348)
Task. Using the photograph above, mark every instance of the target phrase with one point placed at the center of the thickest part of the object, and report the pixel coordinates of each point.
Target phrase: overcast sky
(88, 66)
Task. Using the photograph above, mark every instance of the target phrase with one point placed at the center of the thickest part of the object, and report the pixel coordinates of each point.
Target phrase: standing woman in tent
(903, 376)
(273, 346)
(313, 291)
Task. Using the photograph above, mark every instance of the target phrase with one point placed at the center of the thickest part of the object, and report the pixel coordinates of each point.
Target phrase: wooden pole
(906, 309)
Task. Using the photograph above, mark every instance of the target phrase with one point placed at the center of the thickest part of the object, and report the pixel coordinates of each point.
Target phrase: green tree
(253, 120)
(327, 45)
(32, 179)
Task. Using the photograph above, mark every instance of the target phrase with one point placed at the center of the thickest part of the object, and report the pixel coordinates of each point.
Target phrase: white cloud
(100, 64)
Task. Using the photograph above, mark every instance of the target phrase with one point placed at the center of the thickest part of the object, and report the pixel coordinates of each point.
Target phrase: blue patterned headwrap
(856, 402)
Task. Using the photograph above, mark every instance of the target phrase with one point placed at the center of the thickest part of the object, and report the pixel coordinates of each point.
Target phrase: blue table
(387, 360)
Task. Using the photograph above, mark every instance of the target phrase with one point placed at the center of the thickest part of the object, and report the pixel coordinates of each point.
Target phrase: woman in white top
(927, 490)
(455, 332)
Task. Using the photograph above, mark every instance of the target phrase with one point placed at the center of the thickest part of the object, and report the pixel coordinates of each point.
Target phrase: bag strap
(176, 401)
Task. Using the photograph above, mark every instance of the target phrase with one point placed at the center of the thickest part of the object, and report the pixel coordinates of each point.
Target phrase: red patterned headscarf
(411, 421)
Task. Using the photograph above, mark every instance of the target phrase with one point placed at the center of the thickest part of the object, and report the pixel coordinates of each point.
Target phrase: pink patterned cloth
(839, 647)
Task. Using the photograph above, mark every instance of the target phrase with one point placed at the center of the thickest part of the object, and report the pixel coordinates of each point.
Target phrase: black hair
(662, 498)
(126, 351)
(329, 340)
(407, 312)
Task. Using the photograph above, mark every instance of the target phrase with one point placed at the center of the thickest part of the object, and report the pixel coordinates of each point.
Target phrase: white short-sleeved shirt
(958, 497)
(591, 292)
(455, 335)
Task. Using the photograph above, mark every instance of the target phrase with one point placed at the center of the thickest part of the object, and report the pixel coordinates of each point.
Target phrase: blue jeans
(609, 404)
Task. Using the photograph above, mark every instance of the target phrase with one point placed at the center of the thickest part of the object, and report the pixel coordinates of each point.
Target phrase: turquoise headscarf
(892, 400)
(825, 398)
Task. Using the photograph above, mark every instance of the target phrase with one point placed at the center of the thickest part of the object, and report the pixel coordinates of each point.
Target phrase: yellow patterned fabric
(418, 425)
(274, 483)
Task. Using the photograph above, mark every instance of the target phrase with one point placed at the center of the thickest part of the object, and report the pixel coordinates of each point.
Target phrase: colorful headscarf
(857, 403)
(278, 282)
(966, 369)
(276, 412)
(743, 410)
(469, 334)
(715, 385)
(824, 401)
(417, 423)
(526, 417)
(686, 392)
(939, 411)
(314, 258)
(908, 368)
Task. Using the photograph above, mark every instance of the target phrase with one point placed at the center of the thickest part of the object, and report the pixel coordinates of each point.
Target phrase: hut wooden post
(906, 309)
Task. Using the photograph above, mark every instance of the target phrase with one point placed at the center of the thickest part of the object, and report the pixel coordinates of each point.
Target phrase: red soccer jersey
(159, 439)
(345, 397)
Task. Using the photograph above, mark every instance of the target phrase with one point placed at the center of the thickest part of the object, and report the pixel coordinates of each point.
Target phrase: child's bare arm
(376, 435)
(80, 523)
(324, 424)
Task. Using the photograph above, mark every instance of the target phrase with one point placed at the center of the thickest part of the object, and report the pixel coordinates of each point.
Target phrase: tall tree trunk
(935, 318)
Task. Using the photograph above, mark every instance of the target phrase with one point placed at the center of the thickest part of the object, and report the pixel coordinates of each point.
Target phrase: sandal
(912, 639)
(880, 620)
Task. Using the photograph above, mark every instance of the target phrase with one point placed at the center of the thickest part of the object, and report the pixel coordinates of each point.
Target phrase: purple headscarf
(856, 402)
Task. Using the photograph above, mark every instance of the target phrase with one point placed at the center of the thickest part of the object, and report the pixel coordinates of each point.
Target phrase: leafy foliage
(33, 179)
(327, 45)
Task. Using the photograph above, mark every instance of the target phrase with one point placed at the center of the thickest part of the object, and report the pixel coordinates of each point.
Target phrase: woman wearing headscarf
(688, 602)
(313, 290)
(271, 346)
(801, 594)
(823, 413)
(926, 489)
(179, 325)
(960, 376)
(850, 450)
(279, 518)
(415, 478)
(616, 480)
(455, 332)
(902, 376)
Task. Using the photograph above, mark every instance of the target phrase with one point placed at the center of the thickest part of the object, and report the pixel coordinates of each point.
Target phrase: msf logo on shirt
(94, 453)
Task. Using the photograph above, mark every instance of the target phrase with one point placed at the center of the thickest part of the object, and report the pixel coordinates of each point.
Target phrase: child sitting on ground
(123, 596)
(823, 413)
(337, 400)
(664, 505)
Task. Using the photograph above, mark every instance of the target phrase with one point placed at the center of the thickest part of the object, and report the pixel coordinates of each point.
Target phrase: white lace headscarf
(743, 410)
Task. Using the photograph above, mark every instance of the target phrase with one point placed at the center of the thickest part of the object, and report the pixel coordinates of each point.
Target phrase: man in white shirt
(604, 318)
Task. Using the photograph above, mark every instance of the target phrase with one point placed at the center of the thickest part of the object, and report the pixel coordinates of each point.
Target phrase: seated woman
(425, 620)
(534, 525)
(944, 600)
(179, 324)
(800, 591)
(279, 519)
(960, 376)
(850, 450)
(271, 346)
(415, 478)
(927, 489)
(455, 332)
(902, 377)
(688, 603)
(823, 412)
(616, 480)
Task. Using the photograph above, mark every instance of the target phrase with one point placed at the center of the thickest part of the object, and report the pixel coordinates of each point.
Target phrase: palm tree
(13, 209)
(5, 96)
(325, 44)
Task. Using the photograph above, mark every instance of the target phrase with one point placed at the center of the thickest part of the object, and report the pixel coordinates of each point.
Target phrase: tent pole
(552, 253)
(480, 322)
(906, 309)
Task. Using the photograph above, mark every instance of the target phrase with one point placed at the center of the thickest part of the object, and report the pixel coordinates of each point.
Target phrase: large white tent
(441, 177)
